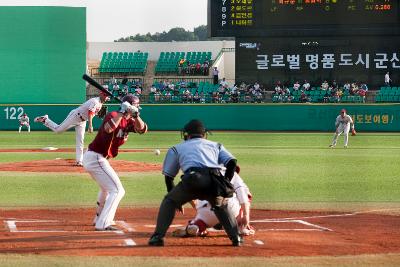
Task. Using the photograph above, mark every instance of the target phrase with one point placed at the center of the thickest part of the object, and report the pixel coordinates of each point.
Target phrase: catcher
(343, 124)
(205, 218)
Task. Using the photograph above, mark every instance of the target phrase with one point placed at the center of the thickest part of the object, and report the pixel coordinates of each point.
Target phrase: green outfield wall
(42, 54)
(254, 117)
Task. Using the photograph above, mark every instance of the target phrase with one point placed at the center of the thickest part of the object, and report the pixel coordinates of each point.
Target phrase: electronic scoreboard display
(244, 18)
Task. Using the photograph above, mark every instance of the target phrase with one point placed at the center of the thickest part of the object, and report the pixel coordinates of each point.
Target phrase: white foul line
(126, 226)
(313, 225)
(288, 230)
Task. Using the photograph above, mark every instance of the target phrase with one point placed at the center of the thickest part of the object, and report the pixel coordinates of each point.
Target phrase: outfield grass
(289, 168)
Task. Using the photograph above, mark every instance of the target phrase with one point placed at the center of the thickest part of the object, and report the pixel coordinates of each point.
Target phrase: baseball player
(343, 124)
(239, 205)
(77, 118)
(200, 161)
(24, 121)
(111, 135)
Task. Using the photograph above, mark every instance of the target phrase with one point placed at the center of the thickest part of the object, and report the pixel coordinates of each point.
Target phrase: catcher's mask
(194, 128)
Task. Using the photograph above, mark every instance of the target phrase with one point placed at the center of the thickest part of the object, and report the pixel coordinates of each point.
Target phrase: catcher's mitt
(102, 112)
(353, 132)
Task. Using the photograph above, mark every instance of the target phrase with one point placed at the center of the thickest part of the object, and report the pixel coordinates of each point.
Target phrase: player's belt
(80, 116)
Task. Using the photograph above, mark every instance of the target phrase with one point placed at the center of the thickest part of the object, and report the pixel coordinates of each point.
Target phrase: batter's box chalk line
(314, 227)
(12, 226)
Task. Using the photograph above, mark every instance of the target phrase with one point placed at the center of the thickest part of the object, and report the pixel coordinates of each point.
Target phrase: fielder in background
(205, 218)
(24, 121)
(343, 123)
(111, 135)
(77, 118)
(200, 161)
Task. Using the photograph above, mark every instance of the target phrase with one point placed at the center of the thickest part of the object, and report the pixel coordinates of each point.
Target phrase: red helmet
(131, 99)
(343, 111)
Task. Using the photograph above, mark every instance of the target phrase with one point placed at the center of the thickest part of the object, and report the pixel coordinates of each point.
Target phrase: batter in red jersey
(112, 134)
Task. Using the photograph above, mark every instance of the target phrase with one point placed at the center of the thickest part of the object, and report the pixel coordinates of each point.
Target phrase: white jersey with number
(93, 105)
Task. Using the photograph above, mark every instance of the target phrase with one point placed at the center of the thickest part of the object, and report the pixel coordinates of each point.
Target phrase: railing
(176, 79)
(115, 71)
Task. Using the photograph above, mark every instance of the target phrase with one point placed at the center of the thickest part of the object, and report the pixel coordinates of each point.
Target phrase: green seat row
(124, 62)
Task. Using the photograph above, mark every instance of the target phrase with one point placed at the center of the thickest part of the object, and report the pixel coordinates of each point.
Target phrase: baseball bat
(91, 81)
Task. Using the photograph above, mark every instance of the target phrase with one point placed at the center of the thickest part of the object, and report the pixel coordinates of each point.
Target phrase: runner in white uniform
(342, 124)
(24, 121)
(77, 118)
(205, 218)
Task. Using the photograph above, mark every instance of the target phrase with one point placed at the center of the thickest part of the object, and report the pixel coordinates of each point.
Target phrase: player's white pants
(72, 120)
(111, 189)
(345, 129)
(27, 126)
(205, 213)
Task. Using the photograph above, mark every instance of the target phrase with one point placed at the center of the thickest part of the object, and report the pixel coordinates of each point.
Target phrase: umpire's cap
(194, 128)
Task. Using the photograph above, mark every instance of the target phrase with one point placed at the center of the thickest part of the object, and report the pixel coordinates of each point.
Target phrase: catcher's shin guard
(229, 223)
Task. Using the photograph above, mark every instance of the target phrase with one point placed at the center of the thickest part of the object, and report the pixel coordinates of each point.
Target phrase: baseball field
(312, 205)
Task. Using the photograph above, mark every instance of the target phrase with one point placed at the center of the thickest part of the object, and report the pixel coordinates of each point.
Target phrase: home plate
(49, 148)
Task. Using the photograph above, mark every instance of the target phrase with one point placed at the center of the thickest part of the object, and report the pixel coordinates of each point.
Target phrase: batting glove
(126, 107)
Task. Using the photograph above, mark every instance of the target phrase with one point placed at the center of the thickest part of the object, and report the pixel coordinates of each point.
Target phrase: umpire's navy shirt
(195, 152)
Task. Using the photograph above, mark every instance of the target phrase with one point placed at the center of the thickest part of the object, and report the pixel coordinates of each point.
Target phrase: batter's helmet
(194, 128)
(132, 99)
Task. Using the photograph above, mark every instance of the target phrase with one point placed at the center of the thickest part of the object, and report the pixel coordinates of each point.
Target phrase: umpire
(200, 161)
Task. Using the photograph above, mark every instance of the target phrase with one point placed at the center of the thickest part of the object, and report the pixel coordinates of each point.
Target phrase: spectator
(224, 84)
(325, 85)
(215, 75)
(296, 86)
(306, 85)
(202, 98)
(196, 97)
(157, 95)
(153, 89)
(346, 86)
(364, 87)
(362, 93)
(387, 79)
(303, 97)
(124, 81)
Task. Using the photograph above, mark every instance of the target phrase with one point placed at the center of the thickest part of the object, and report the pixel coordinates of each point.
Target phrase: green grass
(351, 261)
(283, 170)
(287, 168)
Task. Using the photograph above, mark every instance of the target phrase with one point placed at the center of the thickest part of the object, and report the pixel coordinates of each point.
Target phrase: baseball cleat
(332, 146)
(237, 241)
(79, 164)
(192, 230)
(156, 241)
(345, 146)
(41, 119)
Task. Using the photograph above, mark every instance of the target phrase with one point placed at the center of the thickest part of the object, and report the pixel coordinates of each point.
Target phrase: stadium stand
(175, 62)
(388, 94)
(124, 62)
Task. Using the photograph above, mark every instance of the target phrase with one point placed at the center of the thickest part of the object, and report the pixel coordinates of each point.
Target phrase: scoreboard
(358, 59)
(268, 18)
